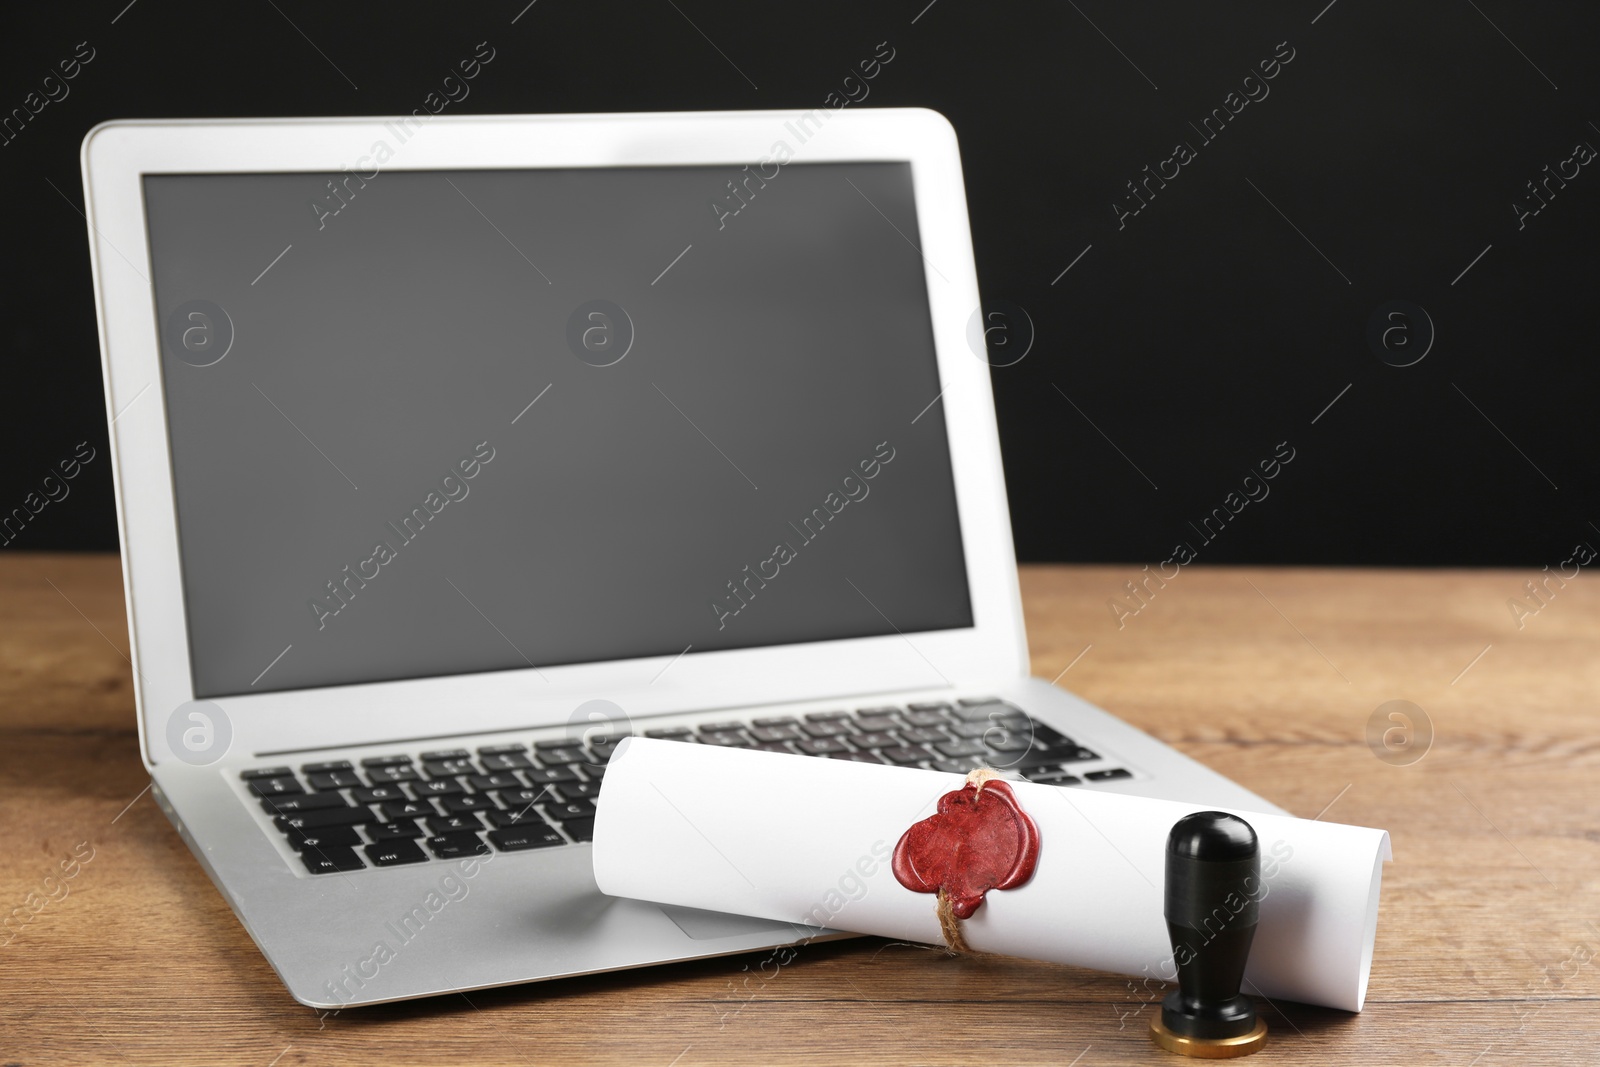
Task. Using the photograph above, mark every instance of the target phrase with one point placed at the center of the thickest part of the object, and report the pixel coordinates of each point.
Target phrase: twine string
(955, 940)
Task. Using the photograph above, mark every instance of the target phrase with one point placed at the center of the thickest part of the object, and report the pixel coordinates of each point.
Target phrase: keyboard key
(520, 817)
(726, 740)
(465, 802)
(775, 746)
(1044, 734)
(1002, 727)
(457, 845)
(822, 746)
(876, 724)
(355, 815)
(449, 768)
(876, 713)
(521, 838)
(574, 790)
(579, 829)
(960, 748)
(925, 718)
(518, 799)
(918, 735)
(720, 727)
(407, 809)
(875, 740)
(274, 787)
(374, 794)
(321, 768)
(267, 772)
(437, 787)
(395, 852)
(301, 802)
(827, 716)
(1033, 759)
(968, 702)
(401, 772)
(1009, 743)
(300, 840)
(500, 750)
(1040, 736)
(670, 732)
(506, 761)
(828, 728)
(483, 783)
(1016, 752)
(389, 831)
(446, 753)
(552, 775)
(386, 761)
(775, 720)
(325, 780)
(776, 733)
(601, 751)
(974, 729)
(1110, 775)
(958, 766)
(979, 712)
(331, 859)
(582, 808)
(926, 706)
(556, 757)
(440, 825)
(906, 754)
(1056, 778)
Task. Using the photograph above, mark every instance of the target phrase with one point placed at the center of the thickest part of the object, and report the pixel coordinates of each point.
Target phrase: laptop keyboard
(397, 809)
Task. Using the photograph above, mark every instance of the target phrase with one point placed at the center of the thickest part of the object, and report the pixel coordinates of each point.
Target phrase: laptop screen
(436, 422)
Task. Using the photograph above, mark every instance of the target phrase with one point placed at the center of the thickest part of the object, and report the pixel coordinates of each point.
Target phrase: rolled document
(806, 840)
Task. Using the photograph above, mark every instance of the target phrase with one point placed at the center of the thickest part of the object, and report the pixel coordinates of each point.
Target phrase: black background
(1220, 321)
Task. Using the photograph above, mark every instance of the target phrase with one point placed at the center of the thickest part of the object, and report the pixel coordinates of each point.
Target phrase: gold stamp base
(1209, 1048)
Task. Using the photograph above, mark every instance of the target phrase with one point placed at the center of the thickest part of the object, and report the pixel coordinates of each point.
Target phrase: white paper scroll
(806, 840)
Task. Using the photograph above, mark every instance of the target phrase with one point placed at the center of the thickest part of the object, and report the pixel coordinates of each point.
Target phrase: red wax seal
(977, 841)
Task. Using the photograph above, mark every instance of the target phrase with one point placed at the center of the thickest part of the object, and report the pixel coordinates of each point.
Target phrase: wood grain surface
(1489, 924)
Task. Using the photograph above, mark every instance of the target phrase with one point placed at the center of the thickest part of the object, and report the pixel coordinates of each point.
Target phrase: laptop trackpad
(709, 925)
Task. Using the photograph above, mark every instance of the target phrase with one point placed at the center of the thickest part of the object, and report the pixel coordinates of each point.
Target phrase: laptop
(451, 450)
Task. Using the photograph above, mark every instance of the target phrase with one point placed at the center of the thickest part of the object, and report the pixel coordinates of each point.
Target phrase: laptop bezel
(117, 155)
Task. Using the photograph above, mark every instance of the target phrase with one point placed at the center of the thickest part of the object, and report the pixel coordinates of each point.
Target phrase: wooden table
(1490, 912)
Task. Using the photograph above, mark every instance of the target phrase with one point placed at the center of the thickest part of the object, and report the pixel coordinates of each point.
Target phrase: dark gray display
(429, 423)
